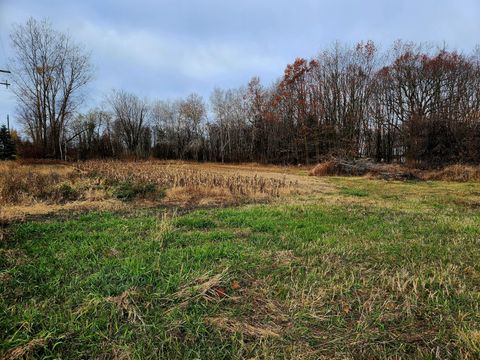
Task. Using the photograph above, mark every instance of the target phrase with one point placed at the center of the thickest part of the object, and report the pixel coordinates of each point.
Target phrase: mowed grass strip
(268, 281)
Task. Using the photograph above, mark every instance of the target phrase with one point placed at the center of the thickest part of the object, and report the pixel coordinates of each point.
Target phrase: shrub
(64, 192)
(127, 190)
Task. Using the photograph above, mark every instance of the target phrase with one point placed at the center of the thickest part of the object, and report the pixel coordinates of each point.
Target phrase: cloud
(169, 48)
(156, 51)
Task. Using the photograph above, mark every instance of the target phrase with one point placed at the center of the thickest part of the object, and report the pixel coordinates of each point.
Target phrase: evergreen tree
(7, 145)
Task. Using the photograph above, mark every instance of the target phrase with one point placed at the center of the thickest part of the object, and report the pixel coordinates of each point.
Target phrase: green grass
(354, 192)
(394, 273)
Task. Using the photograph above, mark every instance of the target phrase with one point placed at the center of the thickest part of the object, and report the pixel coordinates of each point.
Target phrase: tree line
(411, 103)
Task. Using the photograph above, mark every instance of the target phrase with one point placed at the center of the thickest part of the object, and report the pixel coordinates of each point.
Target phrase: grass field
(353, 268)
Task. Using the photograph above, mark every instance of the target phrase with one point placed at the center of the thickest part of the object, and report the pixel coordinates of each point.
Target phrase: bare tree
(49, 73)
(131, 113)
(412, 103)
(192, 114)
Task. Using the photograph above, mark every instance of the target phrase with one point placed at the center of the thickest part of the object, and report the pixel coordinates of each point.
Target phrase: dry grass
(471, 340)
(198, 196)
(365, 167)
(326, 168)
(206, 287)
(235, 326)
(42, 188)
(38, 210)
(23, 351)
(453, 173)
(458, 172)
(126, 305)
(168, 176)
(24, 183)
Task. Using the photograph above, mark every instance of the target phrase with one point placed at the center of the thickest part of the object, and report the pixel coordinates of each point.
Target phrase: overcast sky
(170, 48)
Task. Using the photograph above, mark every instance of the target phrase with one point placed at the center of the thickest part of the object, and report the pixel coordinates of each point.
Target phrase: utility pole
(6, 83)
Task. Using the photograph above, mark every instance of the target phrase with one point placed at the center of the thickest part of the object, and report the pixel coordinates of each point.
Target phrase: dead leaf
(219, 291)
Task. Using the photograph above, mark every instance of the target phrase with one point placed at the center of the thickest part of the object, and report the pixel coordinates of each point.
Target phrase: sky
(164, 49)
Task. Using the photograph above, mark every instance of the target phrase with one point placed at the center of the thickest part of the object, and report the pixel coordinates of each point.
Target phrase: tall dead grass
(453, 173)
(457, 172)
(171, 176)
(57, 183)
(23, 183)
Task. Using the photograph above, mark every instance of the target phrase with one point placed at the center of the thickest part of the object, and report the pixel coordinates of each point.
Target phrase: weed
(64, 192)
(128, 191)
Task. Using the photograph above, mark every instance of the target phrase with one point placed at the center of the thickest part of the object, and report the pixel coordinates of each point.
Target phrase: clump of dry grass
(235, 326)
(326, 168)
(113, 253)
(206, 286)
(126, 305)
(362, 167)
(23, 351)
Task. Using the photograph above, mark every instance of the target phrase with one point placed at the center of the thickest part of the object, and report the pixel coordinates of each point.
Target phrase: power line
(6, 83)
